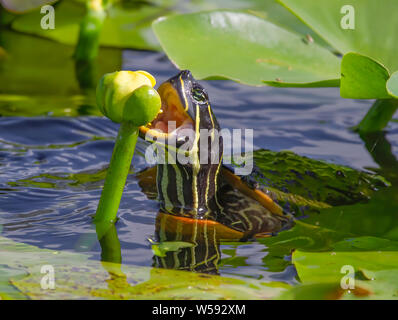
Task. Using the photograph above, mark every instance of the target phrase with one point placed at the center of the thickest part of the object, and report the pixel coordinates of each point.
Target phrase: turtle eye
(199, 94)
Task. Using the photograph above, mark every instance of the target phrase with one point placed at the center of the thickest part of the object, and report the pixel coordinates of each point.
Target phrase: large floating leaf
(363, 78)
(375, 272)
(360, 227)
(374, 32)
(317, 291)
(373, 37)
(124, 28)
(245, 48)
(271, 10)
(78, 277)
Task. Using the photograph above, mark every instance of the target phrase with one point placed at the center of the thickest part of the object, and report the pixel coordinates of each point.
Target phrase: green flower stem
(378, 116)
(111, 255)
(128, 98)
(90, 30)
(117, 172)
(109, 241)
(381, 151)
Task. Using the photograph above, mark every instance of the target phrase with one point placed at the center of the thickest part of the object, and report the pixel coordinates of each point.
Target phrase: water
(51, 168)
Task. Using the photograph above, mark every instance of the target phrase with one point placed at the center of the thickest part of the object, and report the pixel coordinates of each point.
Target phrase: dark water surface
(51, 168)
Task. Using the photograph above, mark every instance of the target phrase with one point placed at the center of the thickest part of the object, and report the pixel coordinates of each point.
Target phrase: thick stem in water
(381, 151)
(90, 30)
(111, 255)
(109, 241)
(117, 173)
(378, 116)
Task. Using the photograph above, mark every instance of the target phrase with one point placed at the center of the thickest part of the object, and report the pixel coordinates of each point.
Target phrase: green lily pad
(270, 10)
(361, 227)
(160, 249)
(245, 48)
(59, 180)
(374, 30)
(8, 292)
(364, 236)
(78, 277)
(85, 282)
(363, 78)
(392, 85)
(317, 291)
(123, 28)
(375, 272)
(368, 44)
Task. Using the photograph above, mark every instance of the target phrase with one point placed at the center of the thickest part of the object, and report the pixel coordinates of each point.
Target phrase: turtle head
(185, 105)
(187, 131)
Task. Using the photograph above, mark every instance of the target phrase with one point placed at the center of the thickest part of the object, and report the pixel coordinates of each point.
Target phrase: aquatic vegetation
(247, 48)
(79, 277)
(55, 148)
(128, 98)
(120, 24)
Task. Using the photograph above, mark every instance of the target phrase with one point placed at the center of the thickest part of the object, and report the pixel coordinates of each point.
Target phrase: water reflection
(86, 72)
(196, 244)
(381, 151)
(183, 243)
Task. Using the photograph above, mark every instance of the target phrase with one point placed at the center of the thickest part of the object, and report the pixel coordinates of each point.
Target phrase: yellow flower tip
(148, 75)
(133, 88)
(134, 79)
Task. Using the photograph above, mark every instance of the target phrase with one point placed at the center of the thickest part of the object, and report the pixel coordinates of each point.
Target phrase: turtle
(204, 202)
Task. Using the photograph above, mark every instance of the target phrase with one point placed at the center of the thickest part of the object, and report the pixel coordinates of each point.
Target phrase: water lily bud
(142, 106)
(115, 88)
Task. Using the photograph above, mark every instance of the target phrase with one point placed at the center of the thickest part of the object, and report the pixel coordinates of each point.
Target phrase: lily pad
(392, 85)
(160, 249)
(361, 236)
(363, 78)
(317, 291)
(270, 10)
(123, 28)
(352, 228)
(371, 34)
(374, 30)
(78, 277)
(245, 48)
(375, 273)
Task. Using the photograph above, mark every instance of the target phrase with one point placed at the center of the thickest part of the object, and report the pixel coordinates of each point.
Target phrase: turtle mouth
(172, 117)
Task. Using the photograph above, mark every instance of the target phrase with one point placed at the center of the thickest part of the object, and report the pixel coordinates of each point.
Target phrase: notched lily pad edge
(390, 85)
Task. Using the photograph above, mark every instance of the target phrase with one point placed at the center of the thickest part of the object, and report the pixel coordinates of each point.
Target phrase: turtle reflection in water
(202, 204)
